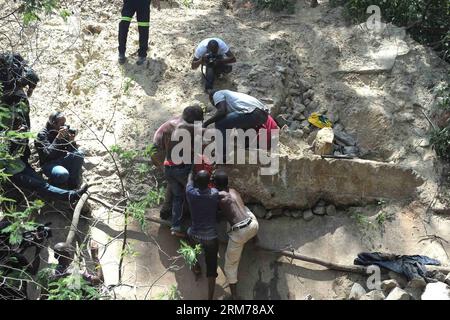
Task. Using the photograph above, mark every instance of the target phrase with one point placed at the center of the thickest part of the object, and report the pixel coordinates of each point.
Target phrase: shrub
(440, 140)
(190, 254)
(428, 21)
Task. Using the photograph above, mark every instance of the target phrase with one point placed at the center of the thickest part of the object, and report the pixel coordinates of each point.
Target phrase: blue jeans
(177, 178)
(67, 169)
(240, 121)
(30, 180)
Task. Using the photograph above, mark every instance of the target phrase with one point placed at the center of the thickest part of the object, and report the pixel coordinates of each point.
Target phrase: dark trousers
(177, 178)
(240, 121)
(213, 71)
(210, 249)
(28, 179)
(65, 170)
(142, 10)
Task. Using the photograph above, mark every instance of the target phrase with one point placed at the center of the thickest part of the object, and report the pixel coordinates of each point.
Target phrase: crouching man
(23, 175)
(59, 156)
(244, 227)
(216, 56)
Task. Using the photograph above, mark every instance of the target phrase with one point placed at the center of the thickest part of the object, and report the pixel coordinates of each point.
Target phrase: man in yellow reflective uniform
(142, 10)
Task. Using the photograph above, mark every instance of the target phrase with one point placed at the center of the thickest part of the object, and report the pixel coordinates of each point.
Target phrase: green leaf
(65, 14)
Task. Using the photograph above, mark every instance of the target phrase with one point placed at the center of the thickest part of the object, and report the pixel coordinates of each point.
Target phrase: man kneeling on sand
(244, 226)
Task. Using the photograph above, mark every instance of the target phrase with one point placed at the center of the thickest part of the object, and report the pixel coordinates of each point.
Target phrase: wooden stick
(76, 218)
(336, 266)
(429, 120)
(108, 205)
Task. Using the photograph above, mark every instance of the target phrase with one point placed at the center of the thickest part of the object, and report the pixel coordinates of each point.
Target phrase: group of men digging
(199, 190)
(204, 192)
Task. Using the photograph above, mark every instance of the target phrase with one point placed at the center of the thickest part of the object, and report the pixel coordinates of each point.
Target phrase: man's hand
(30, 92)
(22, 128)
(157, 4)
(62, 134)
(94, 250)
(70, 137)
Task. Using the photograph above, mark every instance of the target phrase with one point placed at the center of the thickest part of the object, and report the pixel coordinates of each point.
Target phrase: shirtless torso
(175, 126)
(232, 206)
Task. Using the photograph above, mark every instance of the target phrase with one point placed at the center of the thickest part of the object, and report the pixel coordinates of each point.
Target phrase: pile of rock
(344, 143)
(294, 113)
(397, 288)
(333, 141)
(320, 209)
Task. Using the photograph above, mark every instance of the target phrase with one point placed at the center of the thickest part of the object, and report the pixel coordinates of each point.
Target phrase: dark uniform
(142, 10)
(15, 75)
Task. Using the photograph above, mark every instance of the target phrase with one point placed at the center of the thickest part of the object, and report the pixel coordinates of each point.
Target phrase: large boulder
(436, 291)
(418, 283)
(323, 144)
(398, 294)
(388, 285)
(302, 182)
(356, 292)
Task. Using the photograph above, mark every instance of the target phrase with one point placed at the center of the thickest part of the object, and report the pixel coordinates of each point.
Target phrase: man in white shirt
(236, 110)
(215, 54)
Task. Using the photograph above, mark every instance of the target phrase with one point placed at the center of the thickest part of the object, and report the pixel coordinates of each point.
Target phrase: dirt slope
(372, 85)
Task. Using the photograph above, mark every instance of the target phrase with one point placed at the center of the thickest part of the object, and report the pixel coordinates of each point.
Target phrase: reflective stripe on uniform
(126, 19)
(143, 24)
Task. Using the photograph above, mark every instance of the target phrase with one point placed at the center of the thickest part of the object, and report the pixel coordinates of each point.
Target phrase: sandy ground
(356, 79)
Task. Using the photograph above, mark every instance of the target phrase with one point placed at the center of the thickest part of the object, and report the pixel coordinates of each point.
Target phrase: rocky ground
(373, 87)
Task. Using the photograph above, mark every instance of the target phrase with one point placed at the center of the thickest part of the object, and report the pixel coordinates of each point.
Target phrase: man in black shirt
(59, 156)
(15, 77)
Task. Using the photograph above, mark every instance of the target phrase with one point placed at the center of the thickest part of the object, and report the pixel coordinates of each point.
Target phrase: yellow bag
(319, 120)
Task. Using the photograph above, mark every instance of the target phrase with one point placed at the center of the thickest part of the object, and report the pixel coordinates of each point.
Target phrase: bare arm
(98, 278)
(220, 113)
(229, 58)
(196, 63)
